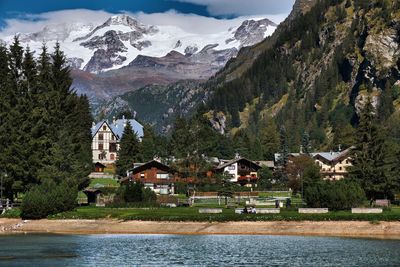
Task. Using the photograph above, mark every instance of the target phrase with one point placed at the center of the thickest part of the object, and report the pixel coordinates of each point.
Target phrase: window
(104, 128)
(142, 175)
(347, 161)
(101, 147)
(113, 147)
(162, 175)
(232, 167)
(101, 137)
(112, 137)
(340, 168)
(112, 157)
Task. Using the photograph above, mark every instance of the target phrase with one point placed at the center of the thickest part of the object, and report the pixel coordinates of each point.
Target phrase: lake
(194, 250)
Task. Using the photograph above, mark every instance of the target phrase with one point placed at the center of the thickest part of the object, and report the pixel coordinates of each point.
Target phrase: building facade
(154, 175)
(106, 137)
(333, 165)
(241, 170)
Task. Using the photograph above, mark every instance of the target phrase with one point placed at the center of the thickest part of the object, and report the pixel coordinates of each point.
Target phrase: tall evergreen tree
(270, 140)
(305, 143)
(128, 152)
(370, 156)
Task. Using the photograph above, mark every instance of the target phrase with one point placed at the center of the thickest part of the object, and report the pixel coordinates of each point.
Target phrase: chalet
(333, 165)
(106, 137)
(241, 170)
(154, 175)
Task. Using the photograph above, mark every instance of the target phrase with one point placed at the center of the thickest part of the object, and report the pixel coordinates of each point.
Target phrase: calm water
(171, 250)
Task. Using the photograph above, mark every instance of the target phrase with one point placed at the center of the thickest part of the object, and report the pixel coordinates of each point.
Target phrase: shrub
(134, 193)
(48, 198)
(339, 195)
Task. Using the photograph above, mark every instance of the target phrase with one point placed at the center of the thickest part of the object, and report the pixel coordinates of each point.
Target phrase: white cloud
(29, 23)
(244, 7)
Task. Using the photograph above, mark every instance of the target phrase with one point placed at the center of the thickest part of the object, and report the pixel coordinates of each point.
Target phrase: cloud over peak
(244, 7)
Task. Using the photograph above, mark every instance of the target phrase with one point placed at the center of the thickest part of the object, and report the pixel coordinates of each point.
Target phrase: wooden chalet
(241, 170)
(154, 175)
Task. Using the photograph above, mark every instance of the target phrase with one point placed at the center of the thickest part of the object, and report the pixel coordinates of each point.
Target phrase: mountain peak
(123, 19)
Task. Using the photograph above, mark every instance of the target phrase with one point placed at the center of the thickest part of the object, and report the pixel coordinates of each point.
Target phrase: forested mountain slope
(313, 75)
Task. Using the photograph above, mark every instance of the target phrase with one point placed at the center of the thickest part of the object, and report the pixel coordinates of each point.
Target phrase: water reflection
(173, 250)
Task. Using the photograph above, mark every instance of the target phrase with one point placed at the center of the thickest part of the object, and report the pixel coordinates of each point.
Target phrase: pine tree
(270, 140)
(148, 147)
(370, 156)
(128, 152)
(284, 148)
(386, 107)
(305, 143)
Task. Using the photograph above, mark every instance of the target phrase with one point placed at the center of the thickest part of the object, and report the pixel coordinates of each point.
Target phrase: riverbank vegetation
(192, 214)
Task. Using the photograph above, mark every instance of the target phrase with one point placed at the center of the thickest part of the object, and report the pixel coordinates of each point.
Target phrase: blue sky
(13, 13)
(14, 8)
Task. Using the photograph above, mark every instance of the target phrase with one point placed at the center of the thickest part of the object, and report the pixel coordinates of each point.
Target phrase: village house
(106, 137)
(241, 171)
(154, 175)
(333, 165)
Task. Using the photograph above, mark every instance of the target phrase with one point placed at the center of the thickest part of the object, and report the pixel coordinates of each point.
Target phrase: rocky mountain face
(120, 39)
(314, 74)
(157, 105)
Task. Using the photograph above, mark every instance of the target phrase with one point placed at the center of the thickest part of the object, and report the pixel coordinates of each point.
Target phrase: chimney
(340, 148)
(93, 124)
(114, 120)
(237, 156)
(301, 149)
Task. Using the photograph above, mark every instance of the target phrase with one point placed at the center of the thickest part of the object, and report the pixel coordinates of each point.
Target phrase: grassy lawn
(104, 181)
(192, 214)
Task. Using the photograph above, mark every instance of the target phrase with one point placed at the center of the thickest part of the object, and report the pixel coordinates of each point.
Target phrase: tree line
(44, 125)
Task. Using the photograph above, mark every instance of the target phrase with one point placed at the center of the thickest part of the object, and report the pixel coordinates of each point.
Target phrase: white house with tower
(106, 137)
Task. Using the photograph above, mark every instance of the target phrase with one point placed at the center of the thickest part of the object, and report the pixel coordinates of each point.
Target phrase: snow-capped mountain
(119, 41)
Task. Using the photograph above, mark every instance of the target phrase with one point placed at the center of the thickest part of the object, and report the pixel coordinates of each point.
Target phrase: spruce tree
(148, 147)
(128, 152)
(270, 140)
(305, 143)
(370, 155)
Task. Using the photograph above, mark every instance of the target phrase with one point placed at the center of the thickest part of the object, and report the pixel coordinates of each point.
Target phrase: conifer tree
(148, 147)
(305, 143)
(128, 152)
(370, 156)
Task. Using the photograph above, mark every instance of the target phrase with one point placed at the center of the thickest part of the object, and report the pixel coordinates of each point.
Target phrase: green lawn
(192, 214)
(104, 181)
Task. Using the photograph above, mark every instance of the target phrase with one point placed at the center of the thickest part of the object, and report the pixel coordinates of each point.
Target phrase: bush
(339, 195)
(47, 199)
(134, 193)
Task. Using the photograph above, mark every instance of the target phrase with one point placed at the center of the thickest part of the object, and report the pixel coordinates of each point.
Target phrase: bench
(313, 210)
(210, 211)
(366, 210)
(267, 210)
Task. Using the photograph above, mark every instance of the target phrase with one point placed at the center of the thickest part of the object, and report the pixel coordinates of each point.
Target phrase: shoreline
(355, 229)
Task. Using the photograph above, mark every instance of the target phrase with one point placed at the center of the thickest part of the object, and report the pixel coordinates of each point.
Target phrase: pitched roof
(237, 160)
(118, 127)
(150, 164)
(328, 156)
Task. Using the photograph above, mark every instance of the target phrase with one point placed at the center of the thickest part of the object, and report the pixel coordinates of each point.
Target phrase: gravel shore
(384, 230)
